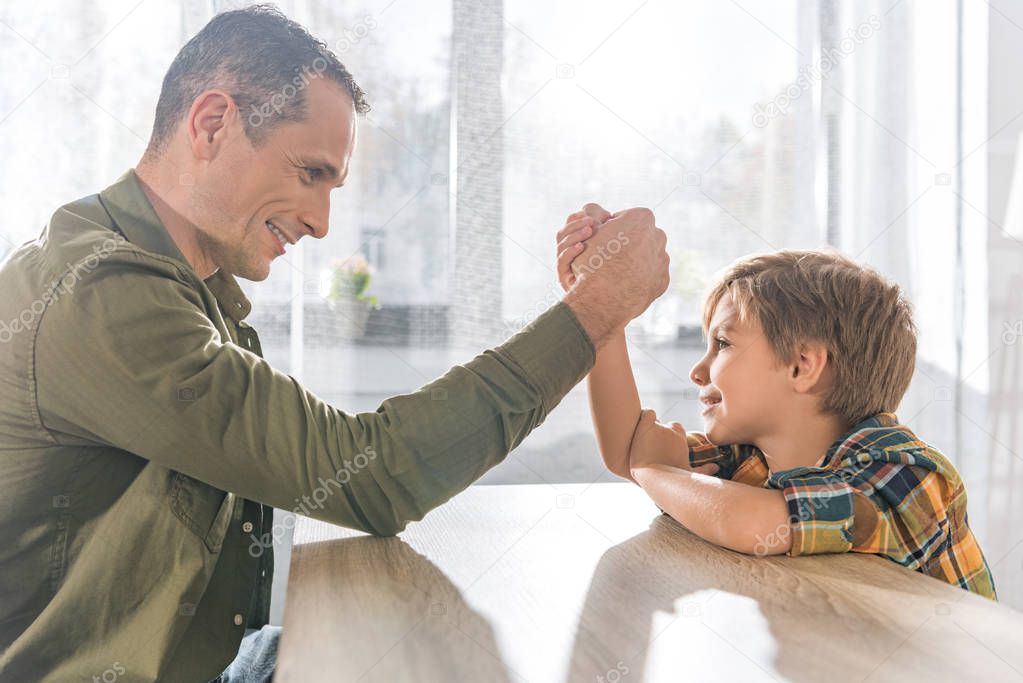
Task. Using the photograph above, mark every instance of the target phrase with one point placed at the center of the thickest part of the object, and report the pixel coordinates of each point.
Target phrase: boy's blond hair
(862, 319)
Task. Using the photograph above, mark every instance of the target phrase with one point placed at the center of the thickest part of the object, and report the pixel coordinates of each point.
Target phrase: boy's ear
(809, 366)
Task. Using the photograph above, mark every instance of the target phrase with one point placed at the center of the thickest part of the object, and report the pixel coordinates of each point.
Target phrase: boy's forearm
(614, 403)
(744, 518)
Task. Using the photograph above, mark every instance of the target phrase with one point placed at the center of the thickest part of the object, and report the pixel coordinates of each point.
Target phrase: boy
(808, 355)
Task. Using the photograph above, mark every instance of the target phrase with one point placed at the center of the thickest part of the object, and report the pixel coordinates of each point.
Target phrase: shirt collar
(874, 422)
(134, 216)
(878, 421)
(230, 295)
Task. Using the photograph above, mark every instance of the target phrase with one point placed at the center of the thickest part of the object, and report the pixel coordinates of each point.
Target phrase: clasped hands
(653, 443)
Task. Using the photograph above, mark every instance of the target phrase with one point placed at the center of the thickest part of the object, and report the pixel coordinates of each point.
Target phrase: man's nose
(316, 228)
(317, 218)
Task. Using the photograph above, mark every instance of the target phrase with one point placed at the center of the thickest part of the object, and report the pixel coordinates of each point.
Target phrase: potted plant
(347, 297)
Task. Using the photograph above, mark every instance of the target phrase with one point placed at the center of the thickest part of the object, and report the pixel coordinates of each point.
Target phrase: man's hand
(654, 443)
(624, 269)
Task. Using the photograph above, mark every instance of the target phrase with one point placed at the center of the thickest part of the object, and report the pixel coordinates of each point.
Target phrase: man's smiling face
(253, 202)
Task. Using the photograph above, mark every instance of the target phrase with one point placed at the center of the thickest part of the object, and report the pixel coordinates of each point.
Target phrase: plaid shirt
(877, 490)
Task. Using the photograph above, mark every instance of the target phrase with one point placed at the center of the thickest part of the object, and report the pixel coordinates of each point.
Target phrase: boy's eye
(720, 343)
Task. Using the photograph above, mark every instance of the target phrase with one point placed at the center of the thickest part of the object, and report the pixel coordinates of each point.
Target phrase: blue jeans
(257, 657)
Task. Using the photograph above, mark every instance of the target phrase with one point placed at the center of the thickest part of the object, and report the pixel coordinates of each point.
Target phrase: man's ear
(208, 123)
(809, 366)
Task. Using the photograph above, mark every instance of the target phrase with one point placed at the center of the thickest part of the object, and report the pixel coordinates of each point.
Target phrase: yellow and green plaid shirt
(877, 490)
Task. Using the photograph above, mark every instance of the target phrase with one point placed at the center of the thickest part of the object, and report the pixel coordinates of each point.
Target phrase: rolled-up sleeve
(132, 360)
(821, 513)
(836, 511)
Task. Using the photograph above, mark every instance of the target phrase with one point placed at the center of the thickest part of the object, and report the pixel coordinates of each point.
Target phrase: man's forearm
(441, 438)
(744, 518)
(256, 432)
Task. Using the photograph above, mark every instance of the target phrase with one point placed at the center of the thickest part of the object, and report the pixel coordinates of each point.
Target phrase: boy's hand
(654, 443)
(571, 239)
(622, 283)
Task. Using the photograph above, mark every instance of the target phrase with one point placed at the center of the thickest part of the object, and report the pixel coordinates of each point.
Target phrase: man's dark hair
(263, 59)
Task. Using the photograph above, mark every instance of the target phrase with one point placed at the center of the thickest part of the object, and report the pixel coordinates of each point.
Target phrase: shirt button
(247, 527)
(238, 620)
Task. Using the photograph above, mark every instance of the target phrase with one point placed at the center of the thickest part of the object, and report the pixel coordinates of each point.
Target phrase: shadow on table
(414, 623)
(725, 615)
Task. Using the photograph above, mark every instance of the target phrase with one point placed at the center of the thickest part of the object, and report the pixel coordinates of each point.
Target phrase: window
(493, 120)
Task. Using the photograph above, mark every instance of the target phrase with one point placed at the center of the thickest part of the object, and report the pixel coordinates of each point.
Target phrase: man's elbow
(378, 518)
(382, 526)
(385, 530)
(391, 522)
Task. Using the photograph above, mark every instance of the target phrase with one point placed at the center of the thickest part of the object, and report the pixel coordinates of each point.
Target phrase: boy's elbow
(617, 463)
(623, 471)
(752, 532)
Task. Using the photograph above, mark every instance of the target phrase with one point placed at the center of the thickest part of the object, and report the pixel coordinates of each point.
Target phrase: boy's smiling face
(744, 389)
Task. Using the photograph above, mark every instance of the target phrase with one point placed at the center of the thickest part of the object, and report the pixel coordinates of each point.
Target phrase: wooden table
(591, 583)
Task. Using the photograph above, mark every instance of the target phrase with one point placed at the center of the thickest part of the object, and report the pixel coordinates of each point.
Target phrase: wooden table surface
(591, 583)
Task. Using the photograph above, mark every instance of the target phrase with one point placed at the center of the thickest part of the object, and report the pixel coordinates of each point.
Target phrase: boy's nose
(698, 375)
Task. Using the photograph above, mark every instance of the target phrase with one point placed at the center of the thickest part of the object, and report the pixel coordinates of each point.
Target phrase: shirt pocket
(204, 509)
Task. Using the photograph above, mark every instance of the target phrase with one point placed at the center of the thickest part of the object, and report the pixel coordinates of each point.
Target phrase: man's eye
(313, 173)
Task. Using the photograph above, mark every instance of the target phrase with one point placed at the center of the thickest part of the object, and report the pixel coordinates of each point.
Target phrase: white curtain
(492, 121)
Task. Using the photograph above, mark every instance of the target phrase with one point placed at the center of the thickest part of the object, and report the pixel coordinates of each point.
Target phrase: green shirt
(143, 441)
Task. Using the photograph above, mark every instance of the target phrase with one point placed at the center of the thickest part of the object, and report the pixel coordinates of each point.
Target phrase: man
(143, 440)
